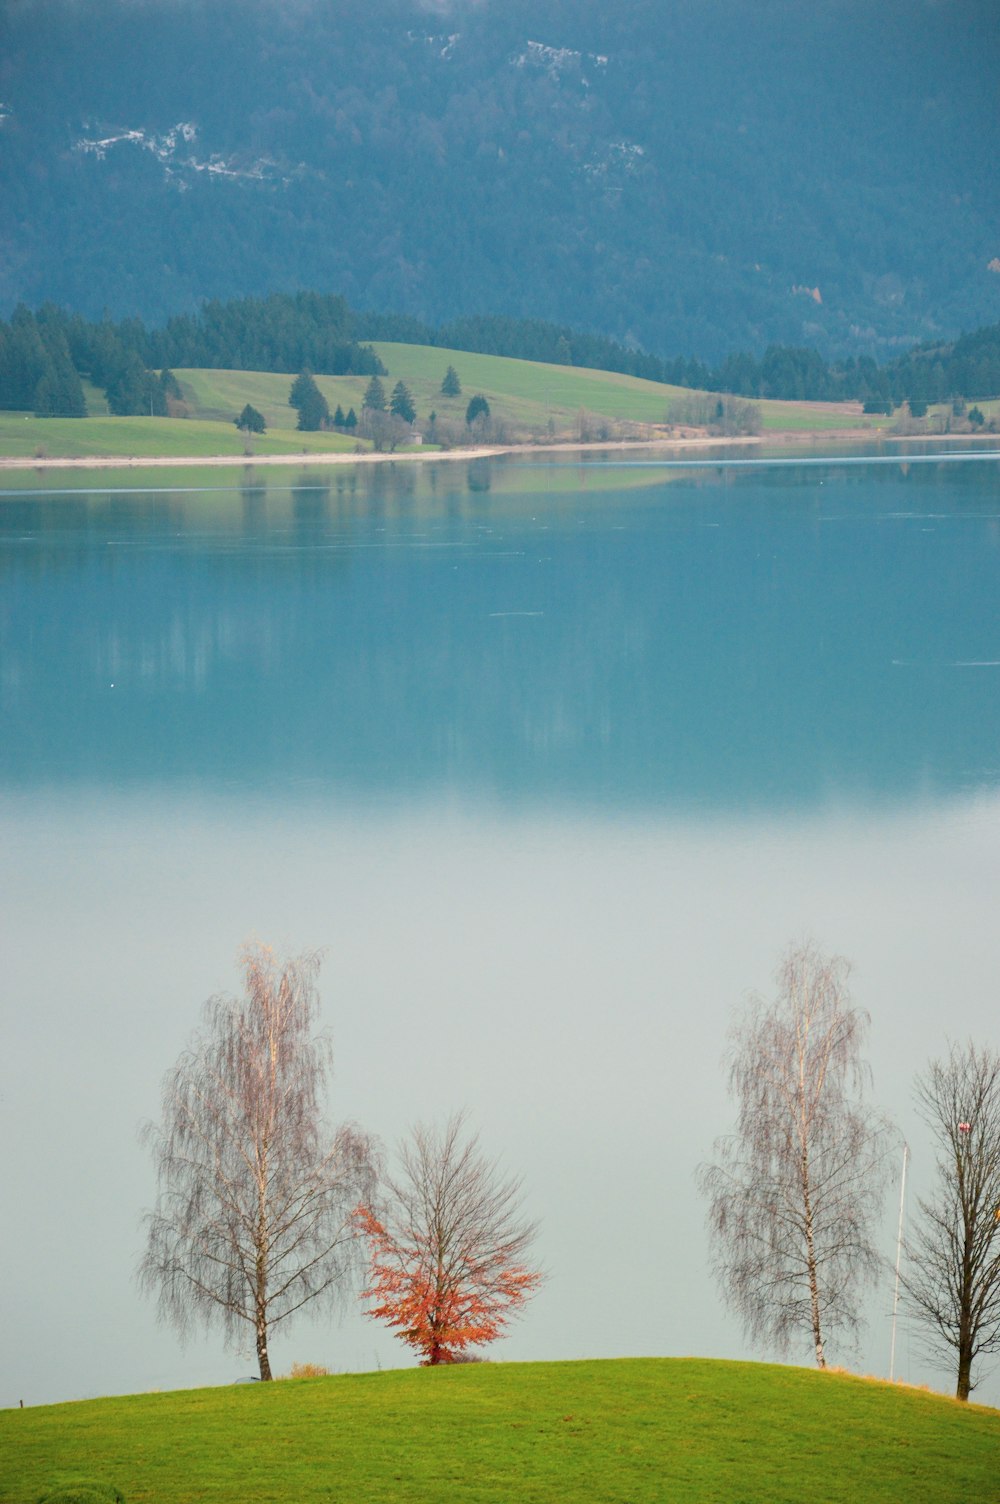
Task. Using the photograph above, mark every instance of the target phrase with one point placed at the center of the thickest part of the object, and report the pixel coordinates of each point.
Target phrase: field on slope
(525, 392)
(523, 395)
(531, 393)
(529, 401)
(26, 437)
(636, 1431)
(530, 397)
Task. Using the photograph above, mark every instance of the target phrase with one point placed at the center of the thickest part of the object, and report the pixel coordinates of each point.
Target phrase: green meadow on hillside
(521, 393)
(524, 391)
(148, 438)
(530, 392)
(639, 1431)
(529, 401)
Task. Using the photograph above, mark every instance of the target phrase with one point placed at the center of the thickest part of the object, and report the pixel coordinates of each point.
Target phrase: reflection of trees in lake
(740, 641)
(253, 496)
(310, 505)
(477, 475)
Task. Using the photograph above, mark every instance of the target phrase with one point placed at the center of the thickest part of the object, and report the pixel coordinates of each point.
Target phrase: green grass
(642, 1431)
(220, 395)
(147, 438)
(97, 402)
(529, 392)
(524, 394)
(520, 392)
(988, 406)
(530, 400)
(820, 417)
(523, 391)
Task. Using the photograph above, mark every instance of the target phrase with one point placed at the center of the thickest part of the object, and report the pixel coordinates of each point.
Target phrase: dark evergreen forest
(43, 356)
(688, 178)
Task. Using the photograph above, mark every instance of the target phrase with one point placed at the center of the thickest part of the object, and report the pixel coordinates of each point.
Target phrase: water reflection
(734, 637)
(555, 773)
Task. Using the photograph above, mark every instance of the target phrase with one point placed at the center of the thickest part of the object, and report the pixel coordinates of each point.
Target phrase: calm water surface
(554, 760)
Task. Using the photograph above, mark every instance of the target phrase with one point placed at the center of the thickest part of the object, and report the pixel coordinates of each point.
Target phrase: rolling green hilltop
(529, 402)
(46, 357)
(638, 1431)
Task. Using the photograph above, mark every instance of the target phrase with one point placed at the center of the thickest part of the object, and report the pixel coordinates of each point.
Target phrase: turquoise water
(555, 760)
(730, 638)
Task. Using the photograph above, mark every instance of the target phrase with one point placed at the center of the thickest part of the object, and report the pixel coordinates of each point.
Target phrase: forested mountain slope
(693, 176)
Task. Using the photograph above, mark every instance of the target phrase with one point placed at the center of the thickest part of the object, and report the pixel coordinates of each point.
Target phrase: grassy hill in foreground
(638, 1431)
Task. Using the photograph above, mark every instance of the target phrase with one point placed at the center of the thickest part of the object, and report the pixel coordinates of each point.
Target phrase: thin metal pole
(899, 1253)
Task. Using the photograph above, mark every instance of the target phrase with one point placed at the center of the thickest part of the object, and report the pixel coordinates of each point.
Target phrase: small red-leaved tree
(447, 1243)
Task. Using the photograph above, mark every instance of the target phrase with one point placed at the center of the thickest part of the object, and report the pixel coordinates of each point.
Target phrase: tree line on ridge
(44, 355)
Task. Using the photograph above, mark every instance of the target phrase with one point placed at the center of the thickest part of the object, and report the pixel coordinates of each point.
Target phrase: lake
(554, 759)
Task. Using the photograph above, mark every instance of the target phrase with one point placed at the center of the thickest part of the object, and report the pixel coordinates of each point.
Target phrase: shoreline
(779, 438)
(342, 457)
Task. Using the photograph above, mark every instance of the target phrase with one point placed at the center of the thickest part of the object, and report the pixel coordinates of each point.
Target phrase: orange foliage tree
(447, 1243)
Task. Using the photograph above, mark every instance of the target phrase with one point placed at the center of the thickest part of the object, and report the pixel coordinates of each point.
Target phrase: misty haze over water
(555, 762)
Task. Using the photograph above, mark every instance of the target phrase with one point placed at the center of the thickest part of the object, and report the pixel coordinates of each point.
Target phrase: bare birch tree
(796, 1191)
(952, 1271)
(254, 1217)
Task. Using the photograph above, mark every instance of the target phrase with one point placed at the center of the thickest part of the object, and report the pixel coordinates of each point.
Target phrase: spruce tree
(402, 403)
(132, 390)
(301, 388)
(314, 410)
(250, 420)
(171, 386)
(375, 396)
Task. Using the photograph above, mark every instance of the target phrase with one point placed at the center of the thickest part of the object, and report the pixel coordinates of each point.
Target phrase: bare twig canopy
(795, 1193)
(952, 1270)
(448, 1243)
(253, 1219)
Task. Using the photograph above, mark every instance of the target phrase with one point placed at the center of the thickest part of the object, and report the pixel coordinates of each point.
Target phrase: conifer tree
(313, 408)
(401, 403)
(478, 408)
(250, 420)
(375, 396)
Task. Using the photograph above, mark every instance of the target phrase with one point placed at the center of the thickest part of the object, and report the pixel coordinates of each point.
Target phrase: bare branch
(447, 1246)
(795, 1192)
(254, 1217)
(952, 1282)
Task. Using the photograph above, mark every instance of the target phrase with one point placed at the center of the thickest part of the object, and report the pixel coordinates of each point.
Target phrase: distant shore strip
(797, 437)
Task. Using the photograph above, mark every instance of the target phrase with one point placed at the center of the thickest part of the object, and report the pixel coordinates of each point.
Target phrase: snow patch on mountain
(557, 60)
(444, 46)
(164, 146)
(619, 159)
(171, 148)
